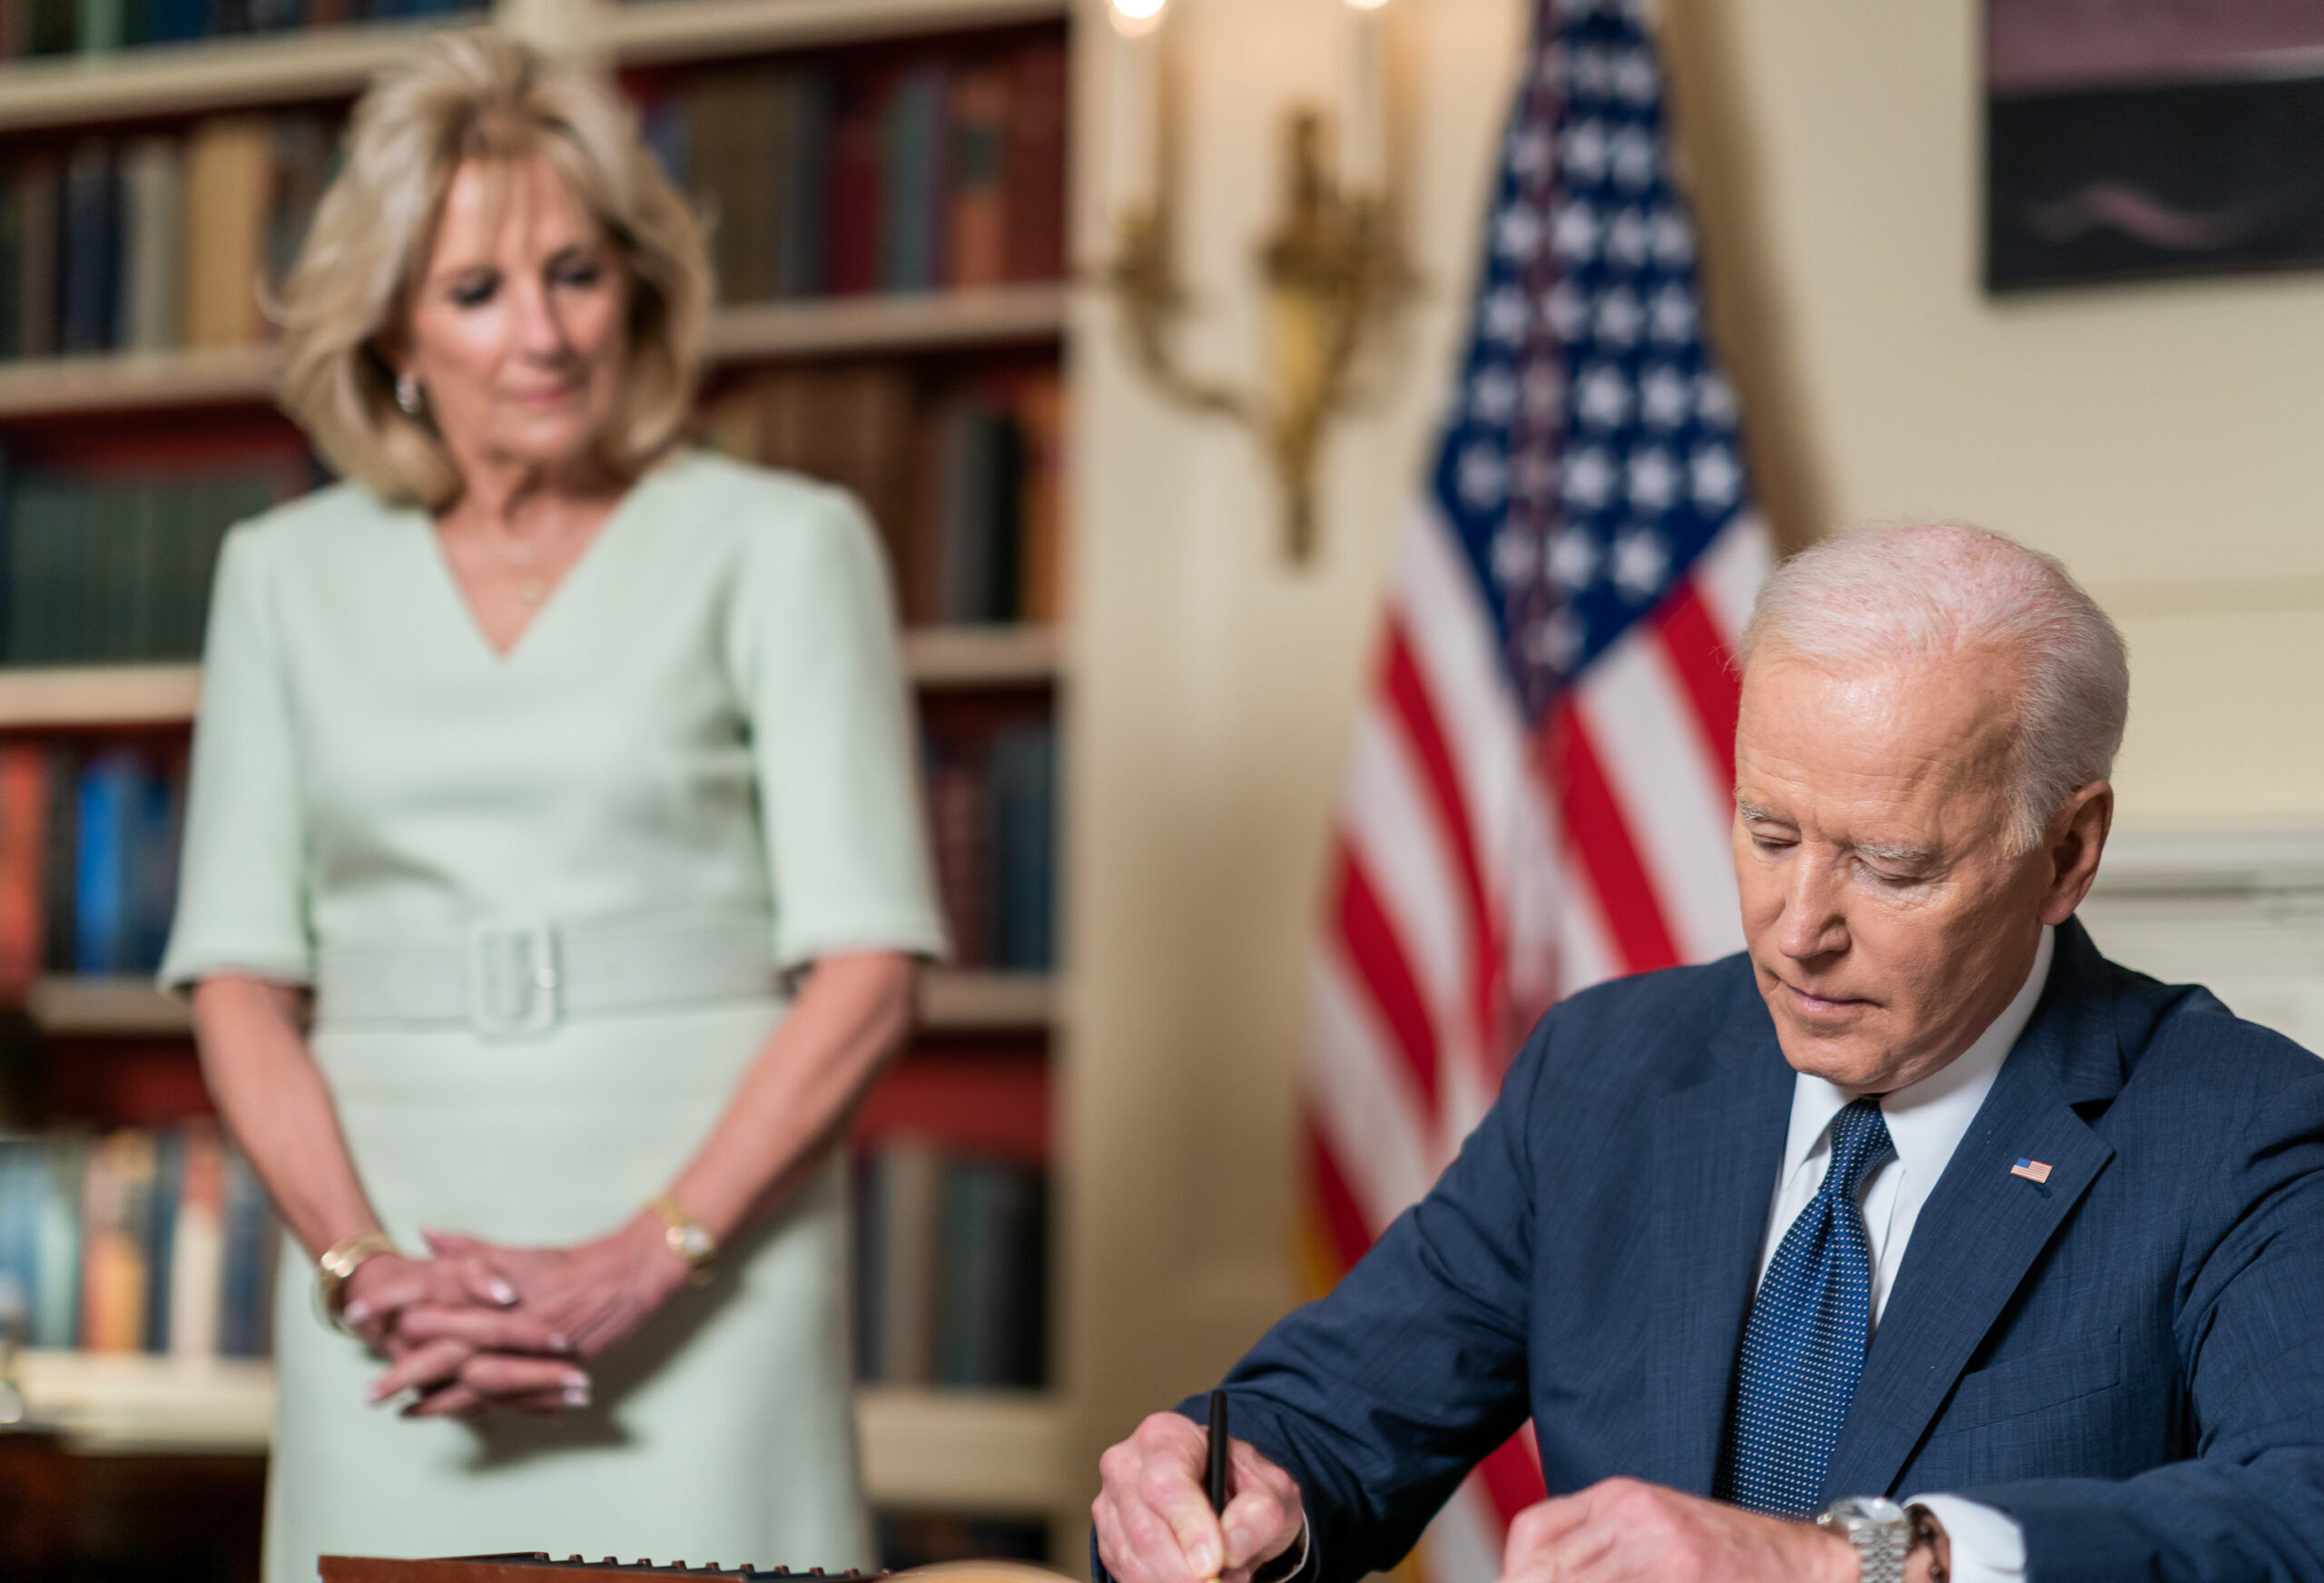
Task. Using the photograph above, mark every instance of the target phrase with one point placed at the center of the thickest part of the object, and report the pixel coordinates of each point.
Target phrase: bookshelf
(849, 327)
(996, 1451)
(975, 1453)
(96, 696)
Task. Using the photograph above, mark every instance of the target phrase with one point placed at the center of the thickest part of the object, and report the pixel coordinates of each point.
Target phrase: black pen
(1218, 1444)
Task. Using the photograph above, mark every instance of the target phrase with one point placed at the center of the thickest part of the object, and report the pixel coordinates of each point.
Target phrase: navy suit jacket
(2127, 1358)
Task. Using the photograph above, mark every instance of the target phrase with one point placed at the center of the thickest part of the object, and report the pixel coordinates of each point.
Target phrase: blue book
(667, 131)
(111, 785)
(90, 286)
(911, 186)
(1024, 847)
(23, 1190)
(161, 1235)
(56, 1310)
(802, 183)
(153, 867)
(247, 1283)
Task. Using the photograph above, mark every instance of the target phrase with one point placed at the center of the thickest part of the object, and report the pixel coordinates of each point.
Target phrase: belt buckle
(514, 978)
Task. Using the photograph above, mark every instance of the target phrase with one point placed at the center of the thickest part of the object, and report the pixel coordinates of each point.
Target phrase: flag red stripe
(1706, 668)
(1336, 1206)
(1378, 956)
(1512, 1477)
(1407, 691)
(1600, 840)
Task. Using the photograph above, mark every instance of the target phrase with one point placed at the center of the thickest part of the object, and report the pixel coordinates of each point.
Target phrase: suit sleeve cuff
(1988, 1546)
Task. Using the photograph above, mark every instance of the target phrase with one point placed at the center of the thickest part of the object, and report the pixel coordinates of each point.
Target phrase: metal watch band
(1881, 1533)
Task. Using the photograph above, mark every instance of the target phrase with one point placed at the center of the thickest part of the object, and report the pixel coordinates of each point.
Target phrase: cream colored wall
(1212, 696)
(2159, 438)
(2164, 438)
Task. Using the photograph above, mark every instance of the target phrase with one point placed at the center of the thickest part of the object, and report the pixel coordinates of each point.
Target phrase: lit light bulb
(1136, 18)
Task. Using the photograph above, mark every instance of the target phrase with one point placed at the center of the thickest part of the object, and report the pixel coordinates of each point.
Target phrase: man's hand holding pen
(1155, 1522)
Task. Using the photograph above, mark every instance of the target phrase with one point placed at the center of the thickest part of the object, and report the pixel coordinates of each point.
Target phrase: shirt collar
(1927, 1120)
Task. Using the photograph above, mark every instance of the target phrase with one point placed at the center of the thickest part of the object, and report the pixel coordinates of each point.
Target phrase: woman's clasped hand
(477, 1326)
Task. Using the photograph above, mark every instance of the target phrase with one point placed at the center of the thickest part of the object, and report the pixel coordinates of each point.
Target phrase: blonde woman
(541, 754)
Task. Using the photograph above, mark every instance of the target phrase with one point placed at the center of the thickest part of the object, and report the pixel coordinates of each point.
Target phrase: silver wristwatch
(1880, 1529)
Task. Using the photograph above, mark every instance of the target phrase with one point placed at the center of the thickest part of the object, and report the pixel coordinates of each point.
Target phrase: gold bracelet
(337, 1266)
(686, 1236)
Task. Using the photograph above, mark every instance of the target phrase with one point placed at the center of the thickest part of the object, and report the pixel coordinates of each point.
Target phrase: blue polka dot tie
(1803, 1349)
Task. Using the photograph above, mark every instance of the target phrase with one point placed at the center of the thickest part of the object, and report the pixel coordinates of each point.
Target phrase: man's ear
(2075, 840)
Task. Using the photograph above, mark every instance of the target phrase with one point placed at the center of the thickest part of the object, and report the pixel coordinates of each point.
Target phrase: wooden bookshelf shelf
(999, 1450)
(671, 29)
(927, 321)
(98, 695)
(957, 1001)
(177, 79)
(983, 656)
(90, 1005)
(993, 1451)
(102, 696)
(117, 382)
(125, 1403)
(833, 327)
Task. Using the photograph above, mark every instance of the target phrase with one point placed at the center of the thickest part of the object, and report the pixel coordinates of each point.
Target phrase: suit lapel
(1717, 1148)
(1983, 1227)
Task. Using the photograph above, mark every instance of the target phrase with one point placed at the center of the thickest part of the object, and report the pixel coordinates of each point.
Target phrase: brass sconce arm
(1334, 276)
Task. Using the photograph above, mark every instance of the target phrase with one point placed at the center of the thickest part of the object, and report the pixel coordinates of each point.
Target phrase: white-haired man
(1918, 1200)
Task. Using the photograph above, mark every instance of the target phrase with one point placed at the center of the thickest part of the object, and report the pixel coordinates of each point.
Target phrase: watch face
(1862, 1509)
(694, 1243)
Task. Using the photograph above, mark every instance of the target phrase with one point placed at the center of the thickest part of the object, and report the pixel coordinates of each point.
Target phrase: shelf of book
(211, 74)
(669, 30)
(899, 322)
(994, 1450)
(97, 696)
(983, 656)
(48, 388)
(104, 1006)
(86, 697)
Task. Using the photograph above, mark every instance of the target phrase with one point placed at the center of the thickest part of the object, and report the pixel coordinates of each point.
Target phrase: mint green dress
(705, 721)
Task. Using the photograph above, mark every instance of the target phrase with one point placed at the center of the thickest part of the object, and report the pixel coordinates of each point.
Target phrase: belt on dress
(519, 977)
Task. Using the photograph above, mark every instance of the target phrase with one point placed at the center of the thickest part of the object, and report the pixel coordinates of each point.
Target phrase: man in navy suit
(1918, 1240)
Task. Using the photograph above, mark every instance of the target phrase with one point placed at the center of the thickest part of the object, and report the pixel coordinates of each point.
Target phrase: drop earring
(408, 395)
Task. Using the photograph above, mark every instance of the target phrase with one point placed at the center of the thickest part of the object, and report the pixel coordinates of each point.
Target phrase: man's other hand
(1621, 1530)
(1154, 1519)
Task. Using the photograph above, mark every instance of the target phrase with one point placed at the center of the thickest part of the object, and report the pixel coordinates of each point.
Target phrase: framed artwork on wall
(2140, 138)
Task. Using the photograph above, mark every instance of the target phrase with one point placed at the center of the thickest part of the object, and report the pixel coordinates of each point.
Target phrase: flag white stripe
(1464, 1540)
(1586, 951)
(1638, 715)
(1730, 570)
(1360, 1100)
(1395, 830)
(1452, 639)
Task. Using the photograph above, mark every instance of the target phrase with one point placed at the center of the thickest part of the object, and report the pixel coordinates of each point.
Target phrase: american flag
(1539, 795)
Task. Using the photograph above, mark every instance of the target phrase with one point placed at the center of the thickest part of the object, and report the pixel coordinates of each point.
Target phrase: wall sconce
(1332, 266)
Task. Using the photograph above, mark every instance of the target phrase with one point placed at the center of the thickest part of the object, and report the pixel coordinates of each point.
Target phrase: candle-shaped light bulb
(1133, 125)
(1364, 105)
(1136, 18)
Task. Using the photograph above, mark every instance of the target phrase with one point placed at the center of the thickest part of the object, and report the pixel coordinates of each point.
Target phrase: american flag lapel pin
(2032, 1170)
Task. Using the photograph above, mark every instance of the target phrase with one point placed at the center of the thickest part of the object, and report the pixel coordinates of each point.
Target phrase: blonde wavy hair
(475, 95)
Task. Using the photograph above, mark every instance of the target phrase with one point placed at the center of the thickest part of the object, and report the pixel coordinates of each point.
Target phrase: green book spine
(100, 25)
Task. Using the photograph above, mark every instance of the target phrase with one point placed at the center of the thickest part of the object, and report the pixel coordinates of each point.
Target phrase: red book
(24, 831)
(1036, 165)
(855, 264)
(979, 223)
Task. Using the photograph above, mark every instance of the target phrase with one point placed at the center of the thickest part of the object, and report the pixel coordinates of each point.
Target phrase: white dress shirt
(1927, 1123)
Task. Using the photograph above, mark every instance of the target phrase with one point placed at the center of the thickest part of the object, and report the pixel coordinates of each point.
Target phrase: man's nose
(1813, 923)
